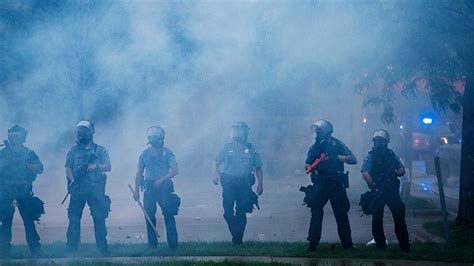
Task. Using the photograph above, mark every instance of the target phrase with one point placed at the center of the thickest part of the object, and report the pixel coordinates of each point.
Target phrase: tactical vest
(383, 166)
(233, 159)
(331, 166)
(82, 158)
(14, 171)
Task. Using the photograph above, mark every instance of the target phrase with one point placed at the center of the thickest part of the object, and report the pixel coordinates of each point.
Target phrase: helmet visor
(238, 132)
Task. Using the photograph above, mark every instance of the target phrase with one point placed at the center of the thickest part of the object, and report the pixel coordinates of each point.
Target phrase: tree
(427, 41)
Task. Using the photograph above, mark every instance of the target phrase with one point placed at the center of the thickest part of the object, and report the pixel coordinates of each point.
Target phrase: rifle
(321, 157)
(144, 212)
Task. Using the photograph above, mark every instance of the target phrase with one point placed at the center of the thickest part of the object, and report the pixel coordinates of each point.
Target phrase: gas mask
(323, 130)
(380, 144)
(16, 139)
(84, 135)
(17, 136)
(239, 132)
(156, 136)
(156, 141)
(321, 137)
(381, 138)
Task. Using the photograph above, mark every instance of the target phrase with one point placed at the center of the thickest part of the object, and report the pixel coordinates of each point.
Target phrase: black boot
(312, 246)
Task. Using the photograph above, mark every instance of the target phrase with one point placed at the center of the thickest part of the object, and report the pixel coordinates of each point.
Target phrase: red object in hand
(321, 158)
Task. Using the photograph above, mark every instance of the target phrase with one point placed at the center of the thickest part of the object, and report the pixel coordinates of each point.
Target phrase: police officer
(240, 163)
(329, 183)
(19, 167)
(159, 165)
(380, 170)
(86, 163)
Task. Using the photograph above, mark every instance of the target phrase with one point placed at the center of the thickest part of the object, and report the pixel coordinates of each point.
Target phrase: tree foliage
(424, 47)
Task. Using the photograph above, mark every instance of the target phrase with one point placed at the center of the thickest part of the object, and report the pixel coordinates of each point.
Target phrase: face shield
(322, 129)
(239, 132)
(381, 138)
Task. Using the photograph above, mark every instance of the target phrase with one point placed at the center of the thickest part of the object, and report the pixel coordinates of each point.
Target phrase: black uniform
(88, 187)
(328, 184)
(156, 166)
(16, 183)
(381, 165)
(237, 177)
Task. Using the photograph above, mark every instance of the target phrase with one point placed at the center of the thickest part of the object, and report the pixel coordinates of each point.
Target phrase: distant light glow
(445, 140)
(401, 126)
(364, 120)
(427, 120)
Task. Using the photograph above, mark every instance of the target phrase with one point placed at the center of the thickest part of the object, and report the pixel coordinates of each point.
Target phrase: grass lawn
(414, 203)
(462, 236)
(177, 263)
(420, 251)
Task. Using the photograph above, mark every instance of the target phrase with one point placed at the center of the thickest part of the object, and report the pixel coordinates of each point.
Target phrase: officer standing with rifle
(19, 167)
(325, 161)
(158, 163)
(380, 170)
(241, 163)
(85, 165)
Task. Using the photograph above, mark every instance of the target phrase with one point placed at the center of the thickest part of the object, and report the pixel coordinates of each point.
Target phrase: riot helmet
(17, 135)
(239, 131)
(84, 130)
(156, 136)
(381, 138)
(323, 129)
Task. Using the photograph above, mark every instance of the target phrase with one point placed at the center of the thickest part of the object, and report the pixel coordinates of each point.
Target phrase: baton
(65, 198)
(144, 212)
(321, 158)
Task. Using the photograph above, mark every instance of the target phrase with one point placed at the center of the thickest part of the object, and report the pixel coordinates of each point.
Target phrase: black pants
(234, 198)
(150, 198)
(397, 207)
(95, 197)
(336, 193)
(7, 212)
